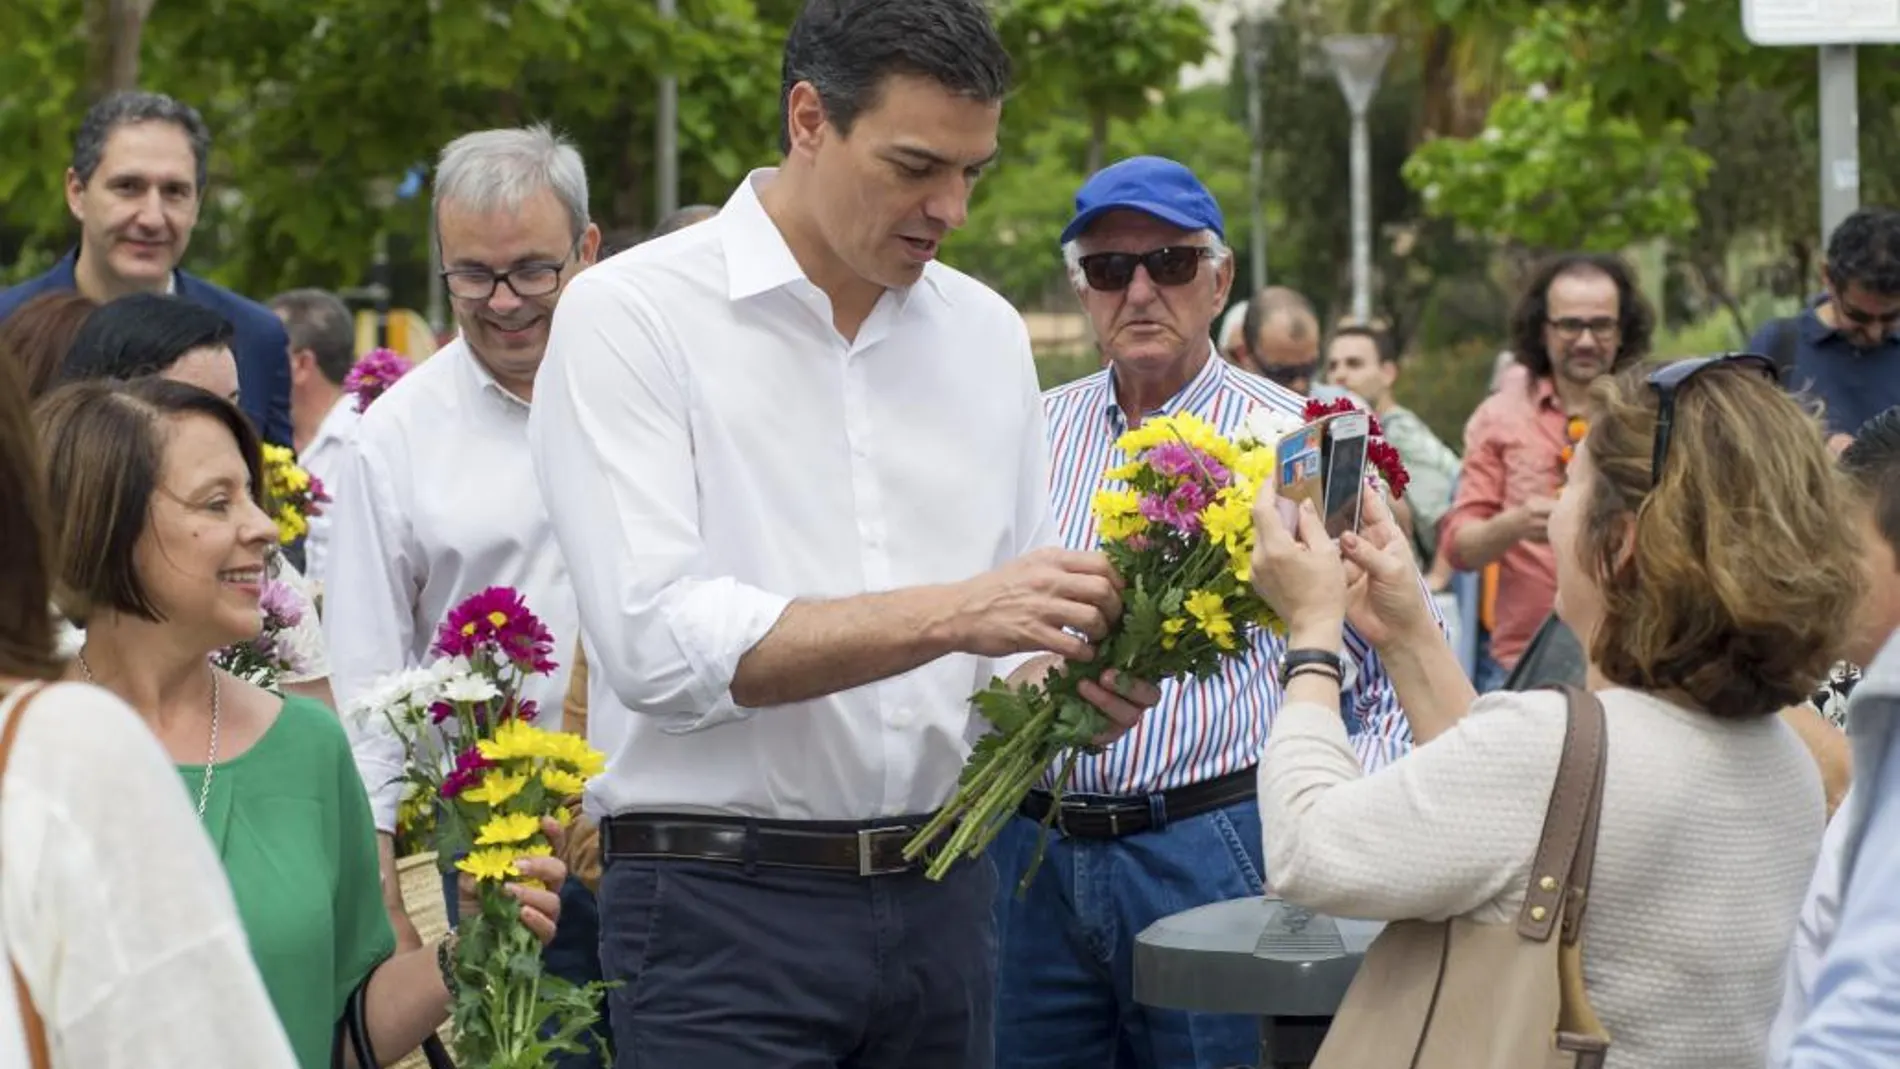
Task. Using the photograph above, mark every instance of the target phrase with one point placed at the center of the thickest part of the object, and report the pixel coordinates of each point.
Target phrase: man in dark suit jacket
(135, 185)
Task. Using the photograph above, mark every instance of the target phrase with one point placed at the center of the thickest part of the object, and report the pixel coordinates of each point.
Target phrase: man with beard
(1844, 347)
(1581, 317)
(438, 499)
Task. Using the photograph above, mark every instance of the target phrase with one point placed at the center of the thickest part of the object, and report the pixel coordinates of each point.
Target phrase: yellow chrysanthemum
(515, 739)
(1182, 427)
(1253, 467)
(1210, 614)
(508, 828)
(573, 752)
(1118, 514)
(493, 865)
(1171, 632)
(562, 783)
(496, 787)
(1229, 520)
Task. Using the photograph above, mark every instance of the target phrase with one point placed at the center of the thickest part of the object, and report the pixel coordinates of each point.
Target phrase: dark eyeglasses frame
(1669, 380)
(498, 279)
(1159, 262)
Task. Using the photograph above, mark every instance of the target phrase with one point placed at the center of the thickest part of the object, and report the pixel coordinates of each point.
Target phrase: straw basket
(422, 896)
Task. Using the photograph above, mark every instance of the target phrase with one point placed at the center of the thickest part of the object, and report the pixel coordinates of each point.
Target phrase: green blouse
(291, 821)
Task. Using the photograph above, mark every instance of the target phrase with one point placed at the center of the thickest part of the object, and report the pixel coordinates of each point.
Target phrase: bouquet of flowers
(472, 744)
(1176, 520)
(291, 494)
(274, 653)
(374, 374)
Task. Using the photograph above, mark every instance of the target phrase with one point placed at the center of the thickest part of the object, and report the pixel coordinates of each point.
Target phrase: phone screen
(1345, 471)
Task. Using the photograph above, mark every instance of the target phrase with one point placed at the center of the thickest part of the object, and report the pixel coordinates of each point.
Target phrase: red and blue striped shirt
(1201, 730)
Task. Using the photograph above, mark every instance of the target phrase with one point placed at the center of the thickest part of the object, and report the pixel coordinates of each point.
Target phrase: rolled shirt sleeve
(612, 445)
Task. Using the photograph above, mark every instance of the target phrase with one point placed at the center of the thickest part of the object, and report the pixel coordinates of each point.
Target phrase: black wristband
(1311, 670)
(445, 960)
(1296, 658)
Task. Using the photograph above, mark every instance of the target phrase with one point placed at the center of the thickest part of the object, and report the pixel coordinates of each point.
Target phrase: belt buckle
(866, 855)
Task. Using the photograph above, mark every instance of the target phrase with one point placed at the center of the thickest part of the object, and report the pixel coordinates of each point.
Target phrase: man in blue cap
(1165, 819)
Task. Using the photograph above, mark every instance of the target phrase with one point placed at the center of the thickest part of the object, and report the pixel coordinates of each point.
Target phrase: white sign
(1821, 22)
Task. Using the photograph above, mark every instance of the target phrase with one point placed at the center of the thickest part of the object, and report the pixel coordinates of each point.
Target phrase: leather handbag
(352, 1035)
(1462, 995)
(39, 1054)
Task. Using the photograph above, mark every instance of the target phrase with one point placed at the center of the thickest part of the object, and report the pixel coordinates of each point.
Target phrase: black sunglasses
(1669, 380)
(1175, 265)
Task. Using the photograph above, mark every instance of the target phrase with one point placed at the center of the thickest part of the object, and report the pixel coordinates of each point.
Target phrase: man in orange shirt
(1581, 317)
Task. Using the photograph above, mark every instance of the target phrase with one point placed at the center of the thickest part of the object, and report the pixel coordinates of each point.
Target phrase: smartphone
(1345, 465)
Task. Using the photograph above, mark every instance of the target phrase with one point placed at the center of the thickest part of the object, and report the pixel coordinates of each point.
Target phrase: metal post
(667, 180)
(438, 300)
(1257, 165)
(1358, 62)
(1840, 137)
(1361, 219)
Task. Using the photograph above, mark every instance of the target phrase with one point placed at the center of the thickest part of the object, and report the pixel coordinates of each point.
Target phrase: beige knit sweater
(1708, 837)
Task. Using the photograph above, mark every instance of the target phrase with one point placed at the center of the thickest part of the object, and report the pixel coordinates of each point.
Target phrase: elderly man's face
(1150, 324)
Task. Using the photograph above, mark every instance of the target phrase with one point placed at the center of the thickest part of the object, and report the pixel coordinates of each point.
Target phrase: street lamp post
(1358, 62)
(1253, 36)
(667, 149)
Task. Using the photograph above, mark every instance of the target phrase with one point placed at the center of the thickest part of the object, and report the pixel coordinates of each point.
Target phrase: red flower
(497, 621)
(469, 766)
(1318, 410)
(1385, 458)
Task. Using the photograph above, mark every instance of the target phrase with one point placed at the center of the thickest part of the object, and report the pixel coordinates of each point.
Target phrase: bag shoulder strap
(1781, 348)
(32, 1024)
(1560, 871)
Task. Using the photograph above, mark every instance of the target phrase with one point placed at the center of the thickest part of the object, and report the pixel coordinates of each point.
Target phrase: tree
(1109, 58)
(1555, 167)
(113, 31)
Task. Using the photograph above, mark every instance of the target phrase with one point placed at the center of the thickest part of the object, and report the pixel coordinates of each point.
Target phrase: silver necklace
(211, 759)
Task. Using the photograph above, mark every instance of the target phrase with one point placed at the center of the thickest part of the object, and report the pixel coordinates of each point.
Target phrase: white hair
(497, 170)
(1072, 255)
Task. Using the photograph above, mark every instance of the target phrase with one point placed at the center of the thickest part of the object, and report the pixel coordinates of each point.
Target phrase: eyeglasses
(536, 279)
(1861, 317)
(1175, 265)
(1669, 380)
(1570, 328)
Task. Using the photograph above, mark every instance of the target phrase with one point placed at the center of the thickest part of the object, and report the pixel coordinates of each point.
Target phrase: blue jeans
(1065, 982)
(574, 956)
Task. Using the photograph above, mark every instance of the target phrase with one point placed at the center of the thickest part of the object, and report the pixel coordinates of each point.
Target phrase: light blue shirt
(1854, 1017)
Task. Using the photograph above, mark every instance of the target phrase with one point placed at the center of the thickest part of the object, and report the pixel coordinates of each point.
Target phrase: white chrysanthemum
(471, 688)
(1266, 426)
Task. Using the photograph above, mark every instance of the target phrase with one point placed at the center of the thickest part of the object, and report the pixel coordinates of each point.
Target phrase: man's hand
(1530, 521)
(1034, 603)
(1123, 699)
(540, 906)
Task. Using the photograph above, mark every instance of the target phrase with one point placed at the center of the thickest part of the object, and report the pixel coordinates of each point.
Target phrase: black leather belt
(869, 849)
(1113, 818)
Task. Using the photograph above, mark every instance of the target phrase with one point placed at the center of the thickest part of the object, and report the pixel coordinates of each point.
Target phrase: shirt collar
(335, 423)
(486, 381)
(1195, 397)
(1543, 393)
(66, 273)
(757, 258)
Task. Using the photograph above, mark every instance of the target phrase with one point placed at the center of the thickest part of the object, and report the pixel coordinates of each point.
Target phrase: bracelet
(445, 961)
(1325, 670)
(1301, 658)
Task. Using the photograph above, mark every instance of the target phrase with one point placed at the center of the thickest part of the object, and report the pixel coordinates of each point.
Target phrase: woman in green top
(155, 488)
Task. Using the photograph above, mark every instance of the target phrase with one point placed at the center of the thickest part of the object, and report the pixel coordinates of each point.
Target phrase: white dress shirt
(326, 458)
(437, 501)
(711, 448)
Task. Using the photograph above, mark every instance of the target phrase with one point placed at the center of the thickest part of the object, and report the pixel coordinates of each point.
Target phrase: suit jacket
(260, 344)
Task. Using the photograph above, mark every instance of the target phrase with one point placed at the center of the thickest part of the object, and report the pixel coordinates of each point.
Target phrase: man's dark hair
(319, 321)
(1636, 321)
(1873, 462)
(1381, 341)
(130, 107)
(140, 334)
(1865, 249)
(1276, 302)
(847, 48)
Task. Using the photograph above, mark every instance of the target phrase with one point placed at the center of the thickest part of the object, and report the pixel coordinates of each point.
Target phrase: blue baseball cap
(1150, 185)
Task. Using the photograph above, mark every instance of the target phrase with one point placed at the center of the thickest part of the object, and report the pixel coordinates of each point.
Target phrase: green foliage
(1555, 168)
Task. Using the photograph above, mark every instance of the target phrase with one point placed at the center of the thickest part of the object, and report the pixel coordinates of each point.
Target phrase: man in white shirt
(797, 468)
(322, 420)
(437, 500)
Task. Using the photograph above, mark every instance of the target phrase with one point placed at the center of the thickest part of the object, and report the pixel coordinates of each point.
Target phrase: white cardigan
(1708, 836)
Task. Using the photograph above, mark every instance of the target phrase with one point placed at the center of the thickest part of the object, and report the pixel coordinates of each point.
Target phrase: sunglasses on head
(1669, 380)
(1175, 265)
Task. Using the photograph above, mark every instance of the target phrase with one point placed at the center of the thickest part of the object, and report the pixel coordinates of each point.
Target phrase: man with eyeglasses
(1843, 349)
(439, 498)
(1580, 318)
(1281, 339)
(1165, 819)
